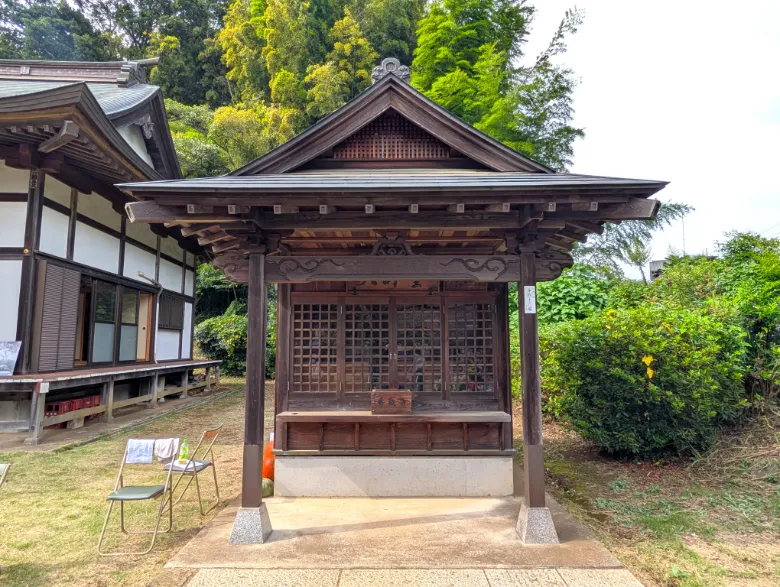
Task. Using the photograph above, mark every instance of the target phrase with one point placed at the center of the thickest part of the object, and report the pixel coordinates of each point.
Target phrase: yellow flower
(650, 373)
(647, 359)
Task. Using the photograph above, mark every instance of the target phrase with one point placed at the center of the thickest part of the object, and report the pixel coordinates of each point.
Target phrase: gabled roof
(391, 93)
(109, 95)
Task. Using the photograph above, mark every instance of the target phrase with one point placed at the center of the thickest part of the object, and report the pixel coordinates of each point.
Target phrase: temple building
(95, 312)
(393, 231)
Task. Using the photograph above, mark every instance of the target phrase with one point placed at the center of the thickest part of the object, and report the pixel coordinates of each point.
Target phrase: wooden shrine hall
(392, 230)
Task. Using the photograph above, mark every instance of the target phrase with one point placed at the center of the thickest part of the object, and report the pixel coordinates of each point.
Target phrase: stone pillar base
(252, 526)
(535, 526)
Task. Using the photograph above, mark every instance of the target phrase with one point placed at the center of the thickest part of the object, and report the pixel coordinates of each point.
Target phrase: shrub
(579, 292)
(647, 380)
(224, 338)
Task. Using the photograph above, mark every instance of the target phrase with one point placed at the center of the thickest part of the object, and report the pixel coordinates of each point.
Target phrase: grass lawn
(53, 504)
(669, 523)
(676, 524)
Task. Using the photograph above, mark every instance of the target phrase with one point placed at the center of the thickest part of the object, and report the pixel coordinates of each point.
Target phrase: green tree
(347, 71)
(242, 42)
(190, 69)
(390, 25)
(465, 61)
(615, 244)
(44, 29)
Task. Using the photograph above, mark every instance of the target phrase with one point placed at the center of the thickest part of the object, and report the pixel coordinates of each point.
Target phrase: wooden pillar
(252, 480)
(37, 413)
(533, 460)
(108, 401)
(185, 382)
(208, 379)
(153, 389)
(32, 237)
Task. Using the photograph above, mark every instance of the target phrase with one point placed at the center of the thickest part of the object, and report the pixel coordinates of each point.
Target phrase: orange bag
(268, 459)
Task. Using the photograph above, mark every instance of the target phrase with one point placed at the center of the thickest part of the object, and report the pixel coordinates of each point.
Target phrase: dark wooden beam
(462, 267)
(424, 220)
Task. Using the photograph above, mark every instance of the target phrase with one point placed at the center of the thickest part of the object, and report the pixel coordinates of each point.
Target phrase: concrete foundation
(535, 526)
(252, 526)
(380, 476)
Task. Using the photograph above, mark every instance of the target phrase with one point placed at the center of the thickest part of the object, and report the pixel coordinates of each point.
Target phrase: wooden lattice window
(366, 347)
(391, 136)
(315, 348)
(470, 337)
(419, 348)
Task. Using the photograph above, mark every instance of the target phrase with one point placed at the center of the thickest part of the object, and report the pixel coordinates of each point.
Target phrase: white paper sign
(529, 294)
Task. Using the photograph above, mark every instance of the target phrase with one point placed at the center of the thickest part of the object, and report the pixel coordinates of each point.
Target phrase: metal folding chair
(196, 465)
(3, 472)
(123, 493)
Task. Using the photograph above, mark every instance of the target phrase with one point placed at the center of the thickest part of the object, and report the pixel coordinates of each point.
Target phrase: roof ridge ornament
(390, 65)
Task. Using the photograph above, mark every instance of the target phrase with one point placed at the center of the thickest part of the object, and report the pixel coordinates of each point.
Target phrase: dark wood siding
(59, 318)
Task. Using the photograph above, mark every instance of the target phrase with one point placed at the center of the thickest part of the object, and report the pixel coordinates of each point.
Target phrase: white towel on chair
(166, 449)
(140, 451)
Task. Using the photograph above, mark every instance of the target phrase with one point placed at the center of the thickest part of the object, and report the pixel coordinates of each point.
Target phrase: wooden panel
(367, 347)
(471, 357)
(339, 436)
(303, 436)
(315, 348)
(391, 136)
(365, 416)
(411, 436)
(483, 436)
(375, 436)
(59, 319)
(447, 436)
(418, 347)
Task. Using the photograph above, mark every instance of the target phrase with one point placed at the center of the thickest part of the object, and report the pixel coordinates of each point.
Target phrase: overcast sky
(682, 91)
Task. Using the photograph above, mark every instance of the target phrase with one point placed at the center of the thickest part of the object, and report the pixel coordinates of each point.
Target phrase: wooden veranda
(393, 231)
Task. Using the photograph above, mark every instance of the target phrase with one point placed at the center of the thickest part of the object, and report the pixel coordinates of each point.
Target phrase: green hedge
(646, 380)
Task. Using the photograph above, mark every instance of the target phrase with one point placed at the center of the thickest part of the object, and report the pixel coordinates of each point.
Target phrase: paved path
(356, 542)
(564, 577)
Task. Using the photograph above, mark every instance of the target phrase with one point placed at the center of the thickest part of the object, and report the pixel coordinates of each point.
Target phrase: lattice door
(315, 348)
(366, 347)
(471, 361)
(418, 347)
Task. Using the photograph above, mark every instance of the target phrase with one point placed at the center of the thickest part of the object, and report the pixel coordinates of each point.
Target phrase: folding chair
(3, 472)
(123, 493)
(196, 465)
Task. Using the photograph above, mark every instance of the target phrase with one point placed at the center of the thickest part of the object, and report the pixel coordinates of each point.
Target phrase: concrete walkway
(400, 541)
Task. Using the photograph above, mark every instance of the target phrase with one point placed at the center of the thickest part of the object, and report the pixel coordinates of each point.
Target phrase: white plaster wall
(11, 280)
(57, 191)
(186, 333)
(54, 233)
(138, 260)
(167, 345)
(96, 248)
(170, 247)
(98, 208)
(170, 276)
(142, 233)
(14, 181)
(13, 216)
(189, 283)
(135, 138)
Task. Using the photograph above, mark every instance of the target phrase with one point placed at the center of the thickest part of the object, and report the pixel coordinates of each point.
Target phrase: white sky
(685, 91)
